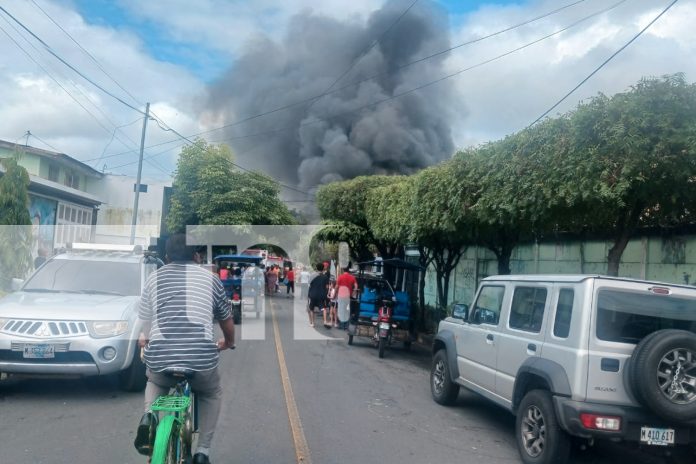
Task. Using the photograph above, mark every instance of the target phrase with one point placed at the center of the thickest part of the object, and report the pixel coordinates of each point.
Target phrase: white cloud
(509, 94)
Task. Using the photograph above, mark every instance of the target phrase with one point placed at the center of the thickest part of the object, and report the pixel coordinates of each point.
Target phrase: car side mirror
(17, 284)
(460, 311)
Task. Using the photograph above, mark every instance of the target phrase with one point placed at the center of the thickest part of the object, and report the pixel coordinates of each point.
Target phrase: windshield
(628, 317)
(85, 276)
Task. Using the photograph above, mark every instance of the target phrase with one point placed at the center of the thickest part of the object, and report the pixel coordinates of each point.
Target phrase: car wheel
(663, 374)
(540, 440)
(443, 390)
(133, 379)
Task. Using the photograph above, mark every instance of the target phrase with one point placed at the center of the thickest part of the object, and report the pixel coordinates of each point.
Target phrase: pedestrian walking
(304, 282)
(318, 290)
(346, 285)
(330, 309)
(290, 278)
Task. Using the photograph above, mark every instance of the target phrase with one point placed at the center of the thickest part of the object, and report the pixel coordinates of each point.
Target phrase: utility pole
(140, 171)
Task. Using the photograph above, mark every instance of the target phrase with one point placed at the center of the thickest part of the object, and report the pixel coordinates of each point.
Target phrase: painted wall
(664, 259)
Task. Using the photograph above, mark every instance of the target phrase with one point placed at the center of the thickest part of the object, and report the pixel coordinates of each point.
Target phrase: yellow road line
(298, 436)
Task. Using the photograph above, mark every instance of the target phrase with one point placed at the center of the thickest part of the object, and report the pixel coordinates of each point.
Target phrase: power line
(31, 134)
(425, 85)
(375, 76)
(605, 62)
(59, 58)
(101, 68)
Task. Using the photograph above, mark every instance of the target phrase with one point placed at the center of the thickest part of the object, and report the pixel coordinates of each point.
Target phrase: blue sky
(205, 62)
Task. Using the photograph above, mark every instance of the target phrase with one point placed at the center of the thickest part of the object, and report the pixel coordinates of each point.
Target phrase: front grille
(60, 357)
(44, 329)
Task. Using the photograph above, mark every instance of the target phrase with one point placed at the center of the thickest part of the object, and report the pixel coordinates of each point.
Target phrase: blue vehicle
(380, 312)
(243, 280)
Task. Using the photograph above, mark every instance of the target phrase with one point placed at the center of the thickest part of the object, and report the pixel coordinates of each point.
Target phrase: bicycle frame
(174, 436)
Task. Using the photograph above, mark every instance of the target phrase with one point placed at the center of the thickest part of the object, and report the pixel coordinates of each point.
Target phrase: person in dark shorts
(318, 291)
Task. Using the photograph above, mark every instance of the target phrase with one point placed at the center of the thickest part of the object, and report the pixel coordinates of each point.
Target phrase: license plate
(384, 325)
(655, 436)
(41, 351)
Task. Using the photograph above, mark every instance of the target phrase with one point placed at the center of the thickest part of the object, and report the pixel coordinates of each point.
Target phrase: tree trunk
(615, 253)
(625, 228)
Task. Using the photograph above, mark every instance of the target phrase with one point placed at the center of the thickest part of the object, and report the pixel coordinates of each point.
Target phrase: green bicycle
(177, 424)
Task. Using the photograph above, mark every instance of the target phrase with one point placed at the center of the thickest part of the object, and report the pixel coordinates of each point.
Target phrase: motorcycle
(385, 325)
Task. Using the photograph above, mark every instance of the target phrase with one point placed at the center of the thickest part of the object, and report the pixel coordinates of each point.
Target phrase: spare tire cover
(663, 374)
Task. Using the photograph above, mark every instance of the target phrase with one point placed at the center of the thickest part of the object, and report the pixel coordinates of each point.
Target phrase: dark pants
(291, 286)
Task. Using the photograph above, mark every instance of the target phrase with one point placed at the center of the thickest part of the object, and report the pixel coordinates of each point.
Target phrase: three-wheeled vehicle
(243, 280)
(380, 312)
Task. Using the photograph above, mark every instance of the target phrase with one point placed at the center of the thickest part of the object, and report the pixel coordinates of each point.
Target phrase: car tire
(540, 439)
(133, 379)
(443, 390)
(660, 386)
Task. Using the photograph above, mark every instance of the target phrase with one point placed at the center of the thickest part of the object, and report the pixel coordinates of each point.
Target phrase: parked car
(588, 357)
(78, 315)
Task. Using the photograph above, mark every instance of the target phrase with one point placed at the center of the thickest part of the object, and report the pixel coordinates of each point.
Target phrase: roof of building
(58, 157)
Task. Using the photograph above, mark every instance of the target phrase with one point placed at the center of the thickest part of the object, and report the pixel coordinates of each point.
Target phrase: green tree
(342, 208)
(209, 190)
(635, 156)
(442, 236)
(15, 230)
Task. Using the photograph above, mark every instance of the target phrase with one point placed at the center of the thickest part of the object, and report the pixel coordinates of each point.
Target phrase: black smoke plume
(323, 141)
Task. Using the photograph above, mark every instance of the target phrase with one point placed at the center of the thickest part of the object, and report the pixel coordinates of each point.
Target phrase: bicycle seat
(187, 374)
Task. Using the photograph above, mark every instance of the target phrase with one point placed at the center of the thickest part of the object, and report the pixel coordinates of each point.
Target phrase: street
(351, 406)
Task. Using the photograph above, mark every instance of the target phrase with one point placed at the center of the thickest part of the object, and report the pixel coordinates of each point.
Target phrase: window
(564, 312)
(527, 311)
(487, 306)
(72, 180)
(53, 173)
(628, 317)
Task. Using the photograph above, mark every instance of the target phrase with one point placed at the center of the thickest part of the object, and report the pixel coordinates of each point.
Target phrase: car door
(521, 336)
(476, 344)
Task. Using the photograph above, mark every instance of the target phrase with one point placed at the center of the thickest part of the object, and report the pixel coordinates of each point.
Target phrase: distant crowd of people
(331, 296)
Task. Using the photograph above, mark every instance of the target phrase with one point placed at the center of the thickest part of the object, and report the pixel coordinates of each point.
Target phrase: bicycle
(174, 435)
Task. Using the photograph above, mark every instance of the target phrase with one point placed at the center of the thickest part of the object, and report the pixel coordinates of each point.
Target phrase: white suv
(591, 357)
(78, 315)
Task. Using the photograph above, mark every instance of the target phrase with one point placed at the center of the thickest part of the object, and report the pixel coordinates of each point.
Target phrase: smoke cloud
(332, 138)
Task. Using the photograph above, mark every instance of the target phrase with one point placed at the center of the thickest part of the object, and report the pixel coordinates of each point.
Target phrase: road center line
(298, 436)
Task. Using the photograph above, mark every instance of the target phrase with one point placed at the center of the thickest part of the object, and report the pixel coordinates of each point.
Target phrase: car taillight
(598, 422)
(235, 297)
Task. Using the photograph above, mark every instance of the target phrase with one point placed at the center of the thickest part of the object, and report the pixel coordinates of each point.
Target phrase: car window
(527, 310)
(627, 317)
(488, 305)
(564, 313)
(86, 276)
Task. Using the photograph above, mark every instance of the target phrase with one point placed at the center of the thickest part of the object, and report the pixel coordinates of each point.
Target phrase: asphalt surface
(351, 407)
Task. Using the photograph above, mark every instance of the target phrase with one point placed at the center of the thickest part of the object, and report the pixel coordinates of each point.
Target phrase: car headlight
(102, 329)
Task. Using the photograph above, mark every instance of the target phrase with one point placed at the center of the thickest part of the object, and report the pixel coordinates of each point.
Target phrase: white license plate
(655, 436)
(384, 325)
(40, 351)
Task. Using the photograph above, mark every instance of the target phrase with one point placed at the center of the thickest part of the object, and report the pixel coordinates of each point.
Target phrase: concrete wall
(115, 215)
(664, 259)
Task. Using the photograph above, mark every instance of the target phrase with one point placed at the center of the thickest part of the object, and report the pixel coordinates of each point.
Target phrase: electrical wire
(101, 68)
(376, 76)
(66, 63)
(604, 63)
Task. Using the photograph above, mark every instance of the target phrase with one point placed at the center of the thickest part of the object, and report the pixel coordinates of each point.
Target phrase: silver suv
(77, 315)
(590, 357)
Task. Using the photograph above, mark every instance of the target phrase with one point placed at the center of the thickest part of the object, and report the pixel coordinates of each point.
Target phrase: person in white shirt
(304, 282)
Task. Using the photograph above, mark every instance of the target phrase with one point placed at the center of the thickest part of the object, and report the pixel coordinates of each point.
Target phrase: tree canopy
(209, 190)
(15, 231)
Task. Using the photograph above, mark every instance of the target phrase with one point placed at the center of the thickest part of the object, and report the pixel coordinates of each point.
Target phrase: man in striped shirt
(179, 305)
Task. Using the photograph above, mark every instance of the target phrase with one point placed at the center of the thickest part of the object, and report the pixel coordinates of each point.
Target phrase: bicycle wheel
(166, 441)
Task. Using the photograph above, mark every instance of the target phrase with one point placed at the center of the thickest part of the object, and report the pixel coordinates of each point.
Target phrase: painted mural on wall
(43, 219)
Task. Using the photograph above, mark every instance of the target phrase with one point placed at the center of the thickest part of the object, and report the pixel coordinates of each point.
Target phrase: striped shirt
(181, 301)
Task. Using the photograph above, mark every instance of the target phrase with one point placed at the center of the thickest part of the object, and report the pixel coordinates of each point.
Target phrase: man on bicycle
(179, 305)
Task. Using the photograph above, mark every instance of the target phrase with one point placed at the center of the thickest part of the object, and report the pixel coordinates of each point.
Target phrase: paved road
(351, 407)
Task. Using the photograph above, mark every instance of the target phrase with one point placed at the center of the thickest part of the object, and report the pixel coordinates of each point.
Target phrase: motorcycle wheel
(382, 346)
